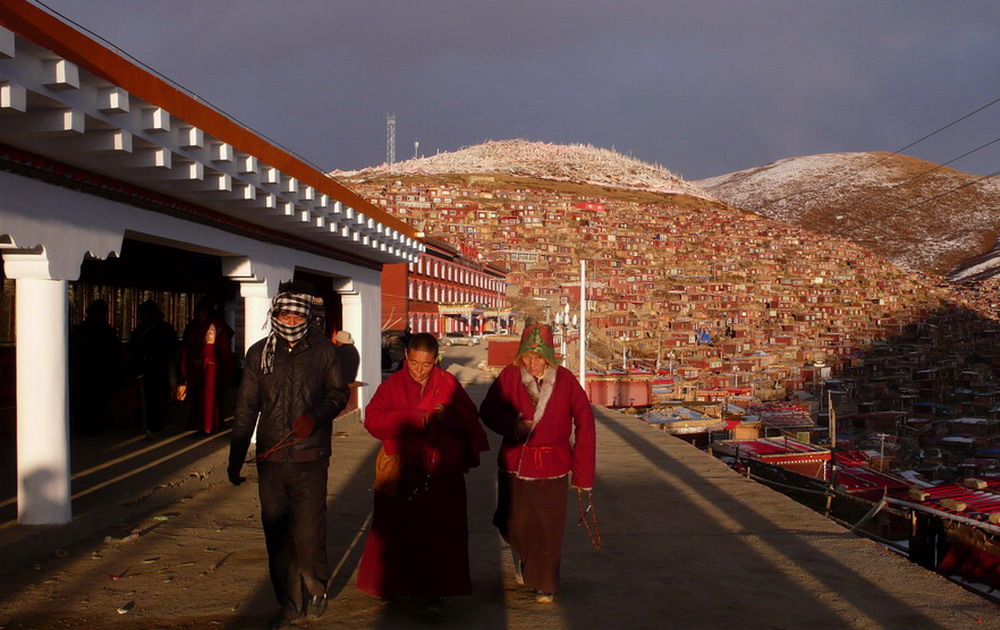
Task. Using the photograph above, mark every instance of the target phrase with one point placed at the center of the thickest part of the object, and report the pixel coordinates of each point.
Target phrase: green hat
(538, 338)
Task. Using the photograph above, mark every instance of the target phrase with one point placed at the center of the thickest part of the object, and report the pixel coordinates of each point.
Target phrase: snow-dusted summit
(577, 163)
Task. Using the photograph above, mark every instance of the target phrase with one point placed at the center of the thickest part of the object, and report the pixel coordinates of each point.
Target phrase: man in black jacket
(292, 380)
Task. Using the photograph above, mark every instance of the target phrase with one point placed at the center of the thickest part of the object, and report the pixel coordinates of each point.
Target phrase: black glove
(234, 473)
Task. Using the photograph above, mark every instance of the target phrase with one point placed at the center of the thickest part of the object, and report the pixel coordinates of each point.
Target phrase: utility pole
(832, 421)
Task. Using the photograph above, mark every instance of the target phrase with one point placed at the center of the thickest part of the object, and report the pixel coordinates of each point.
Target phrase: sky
(701, 87)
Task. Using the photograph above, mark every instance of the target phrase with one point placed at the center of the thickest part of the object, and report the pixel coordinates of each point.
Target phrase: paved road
(688, 544)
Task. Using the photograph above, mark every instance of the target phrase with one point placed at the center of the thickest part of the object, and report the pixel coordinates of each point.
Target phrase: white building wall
(362, 312)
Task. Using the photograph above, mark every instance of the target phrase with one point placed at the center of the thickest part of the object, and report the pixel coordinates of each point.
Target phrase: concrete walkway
(688, 543)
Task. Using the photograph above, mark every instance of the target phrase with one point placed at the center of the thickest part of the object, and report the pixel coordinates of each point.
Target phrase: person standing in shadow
(404, 340)
(207, 366)
(154, 347)
(350, 359)
(418, 545)
(95, 370)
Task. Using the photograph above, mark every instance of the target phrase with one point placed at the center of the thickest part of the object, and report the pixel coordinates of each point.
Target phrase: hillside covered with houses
(719, 304)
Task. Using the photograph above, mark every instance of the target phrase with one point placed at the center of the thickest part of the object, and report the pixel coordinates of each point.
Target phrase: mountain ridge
(917, 214)
(664, 263)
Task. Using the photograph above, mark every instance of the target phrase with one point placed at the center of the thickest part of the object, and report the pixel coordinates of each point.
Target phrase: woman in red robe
(548, 432)
(418, 544)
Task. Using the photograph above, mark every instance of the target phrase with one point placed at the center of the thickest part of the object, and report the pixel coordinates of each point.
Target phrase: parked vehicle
(457, 339)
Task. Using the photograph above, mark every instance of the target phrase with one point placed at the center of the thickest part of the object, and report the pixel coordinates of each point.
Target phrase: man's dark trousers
(293, 514)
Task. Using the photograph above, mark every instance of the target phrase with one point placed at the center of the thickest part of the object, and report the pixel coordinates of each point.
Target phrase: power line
(929, 199)
(813, 222)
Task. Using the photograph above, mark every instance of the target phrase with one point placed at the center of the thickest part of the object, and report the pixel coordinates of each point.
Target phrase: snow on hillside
(577, 163)
(751, 189)
(986, 266)
(917, 214)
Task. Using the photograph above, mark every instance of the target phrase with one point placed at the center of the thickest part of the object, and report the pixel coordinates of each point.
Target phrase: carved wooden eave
(76, 113)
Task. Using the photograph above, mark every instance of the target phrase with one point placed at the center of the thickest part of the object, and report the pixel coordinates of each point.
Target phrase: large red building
(445, 290)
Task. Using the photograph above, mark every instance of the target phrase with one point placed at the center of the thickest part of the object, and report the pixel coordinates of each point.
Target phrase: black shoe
(433, 610)
(316, 606)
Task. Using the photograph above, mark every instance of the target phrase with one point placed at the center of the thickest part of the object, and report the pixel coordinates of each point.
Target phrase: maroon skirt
(418, 544)
(531, 516)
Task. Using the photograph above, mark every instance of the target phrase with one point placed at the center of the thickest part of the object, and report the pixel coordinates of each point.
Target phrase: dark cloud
(702, 87)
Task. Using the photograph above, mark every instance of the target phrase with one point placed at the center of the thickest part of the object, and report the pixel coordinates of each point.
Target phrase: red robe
(531, 504)
(563, 412)
(207, 367)
(418, 544)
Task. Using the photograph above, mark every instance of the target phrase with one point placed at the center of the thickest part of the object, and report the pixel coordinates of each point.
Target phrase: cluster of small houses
(739, 333)
(730, 303)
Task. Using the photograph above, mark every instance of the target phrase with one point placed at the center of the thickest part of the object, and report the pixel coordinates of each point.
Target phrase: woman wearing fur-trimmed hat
(549, 443)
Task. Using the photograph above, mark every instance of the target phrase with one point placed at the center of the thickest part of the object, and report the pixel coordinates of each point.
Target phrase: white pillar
(43, 473)
(353, 321)
(256, 323)
(256, 306)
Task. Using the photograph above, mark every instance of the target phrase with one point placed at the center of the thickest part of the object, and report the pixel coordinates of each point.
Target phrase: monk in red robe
(419, 540)
(207, 366)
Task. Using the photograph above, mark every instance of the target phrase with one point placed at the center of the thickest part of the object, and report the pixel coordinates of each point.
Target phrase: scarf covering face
(297, 303)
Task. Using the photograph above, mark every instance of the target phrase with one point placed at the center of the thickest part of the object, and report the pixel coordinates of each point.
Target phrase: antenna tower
(390, 139)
